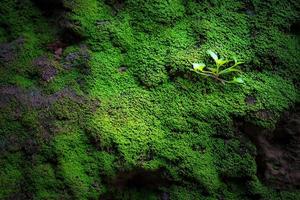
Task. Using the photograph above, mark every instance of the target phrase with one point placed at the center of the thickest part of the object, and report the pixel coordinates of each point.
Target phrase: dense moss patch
(119, 102)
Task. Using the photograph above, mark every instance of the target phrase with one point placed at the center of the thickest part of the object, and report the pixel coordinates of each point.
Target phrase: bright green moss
(124, 123)
(160, 11)
(153, 113)
(122, 33)
(119, 123)
(147, 61)
(90, 19)
(77, 166)
(177, 37)
(106, 80)
(222, 29)
(273, 95)
(87, 13)
(107, 164)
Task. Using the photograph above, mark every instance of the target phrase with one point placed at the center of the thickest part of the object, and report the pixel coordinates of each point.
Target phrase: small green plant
(218, 72)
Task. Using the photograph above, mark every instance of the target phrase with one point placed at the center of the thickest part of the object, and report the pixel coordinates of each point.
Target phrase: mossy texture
(124, 117)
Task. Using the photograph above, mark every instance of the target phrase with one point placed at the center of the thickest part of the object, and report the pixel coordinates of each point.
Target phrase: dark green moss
(27, 41)
(11, 175)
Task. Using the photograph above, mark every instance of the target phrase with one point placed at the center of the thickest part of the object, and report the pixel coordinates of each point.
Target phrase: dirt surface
(8, 51)
(278, 158)
(34, 98)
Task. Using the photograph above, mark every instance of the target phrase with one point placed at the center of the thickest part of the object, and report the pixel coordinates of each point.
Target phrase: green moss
(153, 114)
(11, 175)
(46, 184)
(76, 57)
(107, 163)
(135, 194)
(90, 19)
(160, 11)
(3, 35)
(77, 166)
(180, 192)
(273, 94)
(147, 61)
(289, 195)
(234, 159)
(30, 119)
(23, 22)
(105, 79)
(118, 123)
(255, 187)
(122, 32)
(66, 109)
(22, 81)
(63, 80)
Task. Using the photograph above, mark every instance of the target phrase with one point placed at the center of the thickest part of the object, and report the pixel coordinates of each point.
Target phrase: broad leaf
(213, 55)
(228, 70)
(198, 66)
(236, 63)
(237, 80)
(221, 62)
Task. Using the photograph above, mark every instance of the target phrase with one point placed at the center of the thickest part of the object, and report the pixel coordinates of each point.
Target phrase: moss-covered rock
(154, 117)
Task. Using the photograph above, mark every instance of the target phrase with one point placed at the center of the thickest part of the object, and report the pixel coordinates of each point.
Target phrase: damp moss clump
(123, 117)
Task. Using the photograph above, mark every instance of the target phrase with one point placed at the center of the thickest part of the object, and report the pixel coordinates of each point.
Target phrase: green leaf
(221, 62)
(198, 66)
(236, 63)
(213, 55)
(228, 70)
(235, 70)
(237, 80)
(235, 60)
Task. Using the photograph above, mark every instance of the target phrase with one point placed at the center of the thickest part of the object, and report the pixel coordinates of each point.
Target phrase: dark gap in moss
(295, 28)
(236, 180)
(252, 132)
(247, 8)
(138, 179)
(71, 37)
(6, 29)
(201, 39)
(116, 5)
(176, 74)
(55, 11)
(141, 178)
(49, 7)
